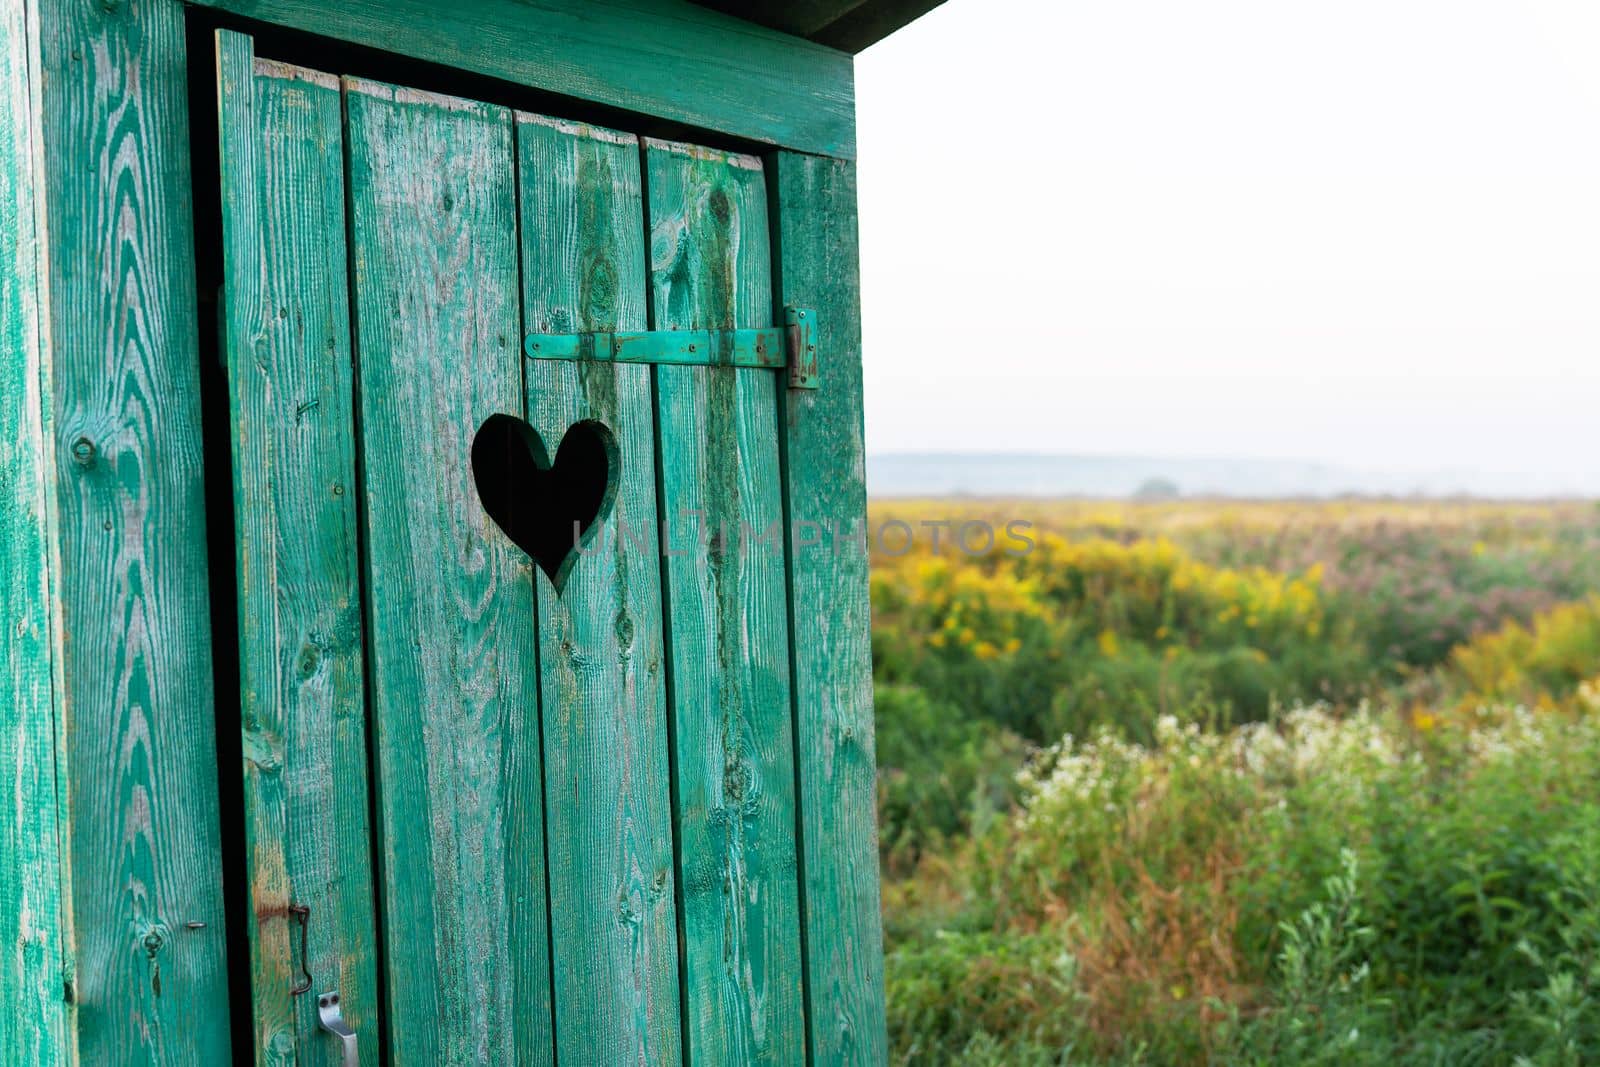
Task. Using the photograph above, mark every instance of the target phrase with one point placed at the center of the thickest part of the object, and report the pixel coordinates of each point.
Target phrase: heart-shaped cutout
(548, 509)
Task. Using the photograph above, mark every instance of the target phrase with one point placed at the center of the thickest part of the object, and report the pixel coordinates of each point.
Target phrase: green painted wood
(824, 483)
(135, 695)
(302, 703)
(602, 658)
(33, 948)
(453, 678)
(728, 630)
(665, 59)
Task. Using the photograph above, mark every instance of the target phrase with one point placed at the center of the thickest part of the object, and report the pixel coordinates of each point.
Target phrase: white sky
(1365, 231)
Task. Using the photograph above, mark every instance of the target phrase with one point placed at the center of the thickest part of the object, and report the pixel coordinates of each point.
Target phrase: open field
(1241, 782)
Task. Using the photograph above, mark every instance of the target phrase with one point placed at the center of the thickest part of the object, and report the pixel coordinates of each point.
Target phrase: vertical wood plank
(453, 675)
(287, 342)
(602, 658)
(136, 697)
(33, 1016)
(824, 483)
(728, 624)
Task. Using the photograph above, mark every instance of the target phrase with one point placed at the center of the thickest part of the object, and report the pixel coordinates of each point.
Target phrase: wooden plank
(453, 676)
(728, 629)
(33, 948)
(602, 659)
(135, 697)
(302, 704)
(665, 59)
(824, 483)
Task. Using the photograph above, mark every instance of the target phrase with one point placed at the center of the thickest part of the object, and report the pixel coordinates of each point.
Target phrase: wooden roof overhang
(848, 25)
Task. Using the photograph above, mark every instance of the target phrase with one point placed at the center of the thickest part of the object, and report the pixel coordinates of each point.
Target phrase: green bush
(939, 774)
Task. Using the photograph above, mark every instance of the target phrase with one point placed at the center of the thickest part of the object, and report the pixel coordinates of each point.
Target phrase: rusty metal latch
(793, 345)
(302, 913)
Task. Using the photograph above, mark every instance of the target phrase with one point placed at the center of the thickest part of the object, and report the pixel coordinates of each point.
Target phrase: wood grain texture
(302, 703)
(824, 483)
(666, 59)
(453, 676)
(728, 631)
(602, 658)
(136, 696)
(33, 948)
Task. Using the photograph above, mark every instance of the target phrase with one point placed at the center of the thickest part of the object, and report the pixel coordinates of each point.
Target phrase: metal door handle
(331, 1020)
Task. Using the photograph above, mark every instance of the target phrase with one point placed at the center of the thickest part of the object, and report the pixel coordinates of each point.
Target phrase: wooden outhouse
(435, 622)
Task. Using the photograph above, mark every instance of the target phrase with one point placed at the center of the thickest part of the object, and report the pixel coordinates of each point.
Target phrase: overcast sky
(1365, 231)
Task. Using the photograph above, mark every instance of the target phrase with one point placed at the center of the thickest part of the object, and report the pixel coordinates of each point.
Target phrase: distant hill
(1022, 474)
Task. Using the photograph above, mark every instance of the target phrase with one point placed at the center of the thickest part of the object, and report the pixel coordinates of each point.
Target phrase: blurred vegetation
(1139, 804)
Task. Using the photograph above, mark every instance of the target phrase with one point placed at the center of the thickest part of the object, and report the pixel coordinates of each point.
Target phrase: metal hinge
(800, 326)
(794, 345)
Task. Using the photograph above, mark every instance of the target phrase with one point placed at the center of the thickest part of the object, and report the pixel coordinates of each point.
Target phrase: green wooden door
(512, 802)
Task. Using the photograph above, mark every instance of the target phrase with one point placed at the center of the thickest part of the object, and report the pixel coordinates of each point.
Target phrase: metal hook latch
(302, 912)
(331, 1020)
